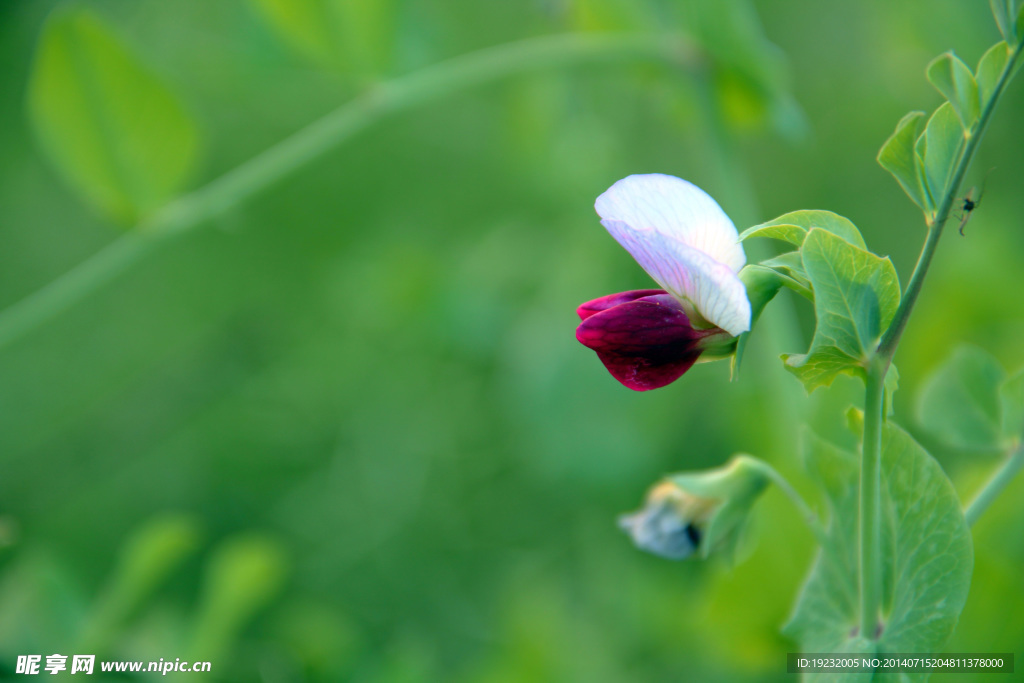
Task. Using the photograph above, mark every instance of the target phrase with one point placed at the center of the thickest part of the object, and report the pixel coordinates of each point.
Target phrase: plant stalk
(322, 136)
(1011, 466)
(806, 513)
(878, 366)
(870, 530)
(891, 338)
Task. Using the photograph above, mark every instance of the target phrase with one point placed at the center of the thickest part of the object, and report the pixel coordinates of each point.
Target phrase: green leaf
(959, 402)
(898, 158)
(793, 227)
(1001, 11)
(243, 574)
(930, 555)
(148, 558)
(791, 264)
(762, 285)
(990, 67)
(107, 122)
(1020, 25)
(943, 137)
(954, 80)
(304, 24)
(856, 295)
(826, 609)
(351, 35)
(926, 567)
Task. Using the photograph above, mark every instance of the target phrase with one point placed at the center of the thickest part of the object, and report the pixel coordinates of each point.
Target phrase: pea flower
(682, 238)
(698, 512)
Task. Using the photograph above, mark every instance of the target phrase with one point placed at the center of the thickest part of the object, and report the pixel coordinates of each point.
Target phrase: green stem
(324, 135)
(1013, 464)
(878, 365)
(808, 515)
(871, 501)
(891, 339)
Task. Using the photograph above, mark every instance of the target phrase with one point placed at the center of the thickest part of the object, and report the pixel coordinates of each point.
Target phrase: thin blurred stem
(891, 338)
(321, 137)
(1002, 477)
(806, 513)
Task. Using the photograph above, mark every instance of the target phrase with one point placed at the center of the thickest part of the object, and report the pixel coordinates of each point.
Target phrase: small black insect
(970, 204)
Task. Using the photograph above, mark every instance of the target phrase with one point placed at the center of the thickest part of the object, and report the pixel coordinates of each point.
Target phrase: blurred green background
(343, 431)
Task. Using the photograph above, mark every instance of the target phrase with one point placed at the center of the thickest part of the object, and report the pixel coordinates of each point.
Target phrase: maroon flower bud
(643, 337)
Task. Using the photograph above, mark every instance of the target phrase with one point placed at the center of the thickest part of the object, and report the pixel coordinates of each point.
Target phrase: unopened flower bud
(698, 512)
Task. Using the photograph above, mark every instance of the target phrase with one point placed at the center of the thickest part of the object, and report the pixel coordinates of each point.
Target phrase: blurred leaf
(943, 136)
(897, 156)
(244, 573)
(148, 558)
(926, 575)
(1011, 395)
(959, 402)
(304, 24)
(610, 15)
(322, 640)
(990, 67)
(826, 609)
(351, 35)
(954, 80)
(855, 297)
(793, 227)
(1001, 10)
(752, 81)
(108, 123)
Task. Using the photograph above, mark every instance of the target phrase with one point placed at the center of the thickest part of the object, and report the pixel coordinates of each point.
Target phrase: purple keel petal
(645, 342)
(605, 302)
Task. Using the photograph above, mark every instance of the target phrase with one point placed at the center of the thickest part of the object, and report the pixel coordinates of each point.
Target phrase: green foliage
(762, 285)
(924, 163)
(750, 73)
(899, 157)
(926, 567)
(939, 148)
(109, 124)
(610, 15)
(929, 558)
(825, 615)
(791, 265)
(1011, 398)
(968, 402)
(379, 355)
(990, 67)
(242, 576)
(793, 227)
(355, 36)
(954, 80)
(147, 560)
(856, 295)
(1002, 10)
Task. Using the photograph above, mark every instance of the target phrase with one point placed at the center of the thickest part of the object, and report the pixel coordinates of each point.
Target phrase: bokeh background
(343, 431)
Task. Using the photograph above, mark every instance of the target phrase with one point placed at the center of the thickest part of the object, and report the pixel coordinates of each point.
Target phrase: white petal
(677, 209)
(692, 276)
